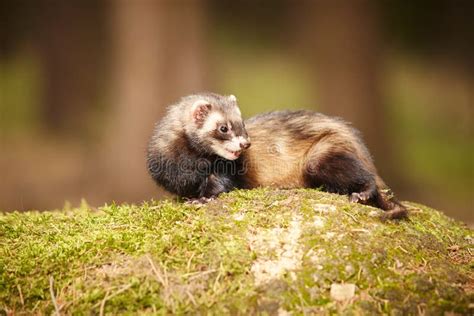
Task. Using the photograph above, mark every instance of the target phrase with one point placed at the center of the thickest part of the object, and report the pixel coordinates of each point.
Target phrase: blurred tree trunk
(343, 43)
(68, 36)
(157, 57)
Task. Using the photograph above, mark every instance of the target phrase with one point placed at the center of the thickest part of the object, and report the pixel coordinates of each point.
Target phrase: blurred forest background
(83, 82)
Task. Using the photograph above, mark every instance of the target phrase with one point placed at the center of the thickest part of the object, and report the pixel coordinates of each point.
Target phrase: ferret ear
(200, 110)
(233, 99)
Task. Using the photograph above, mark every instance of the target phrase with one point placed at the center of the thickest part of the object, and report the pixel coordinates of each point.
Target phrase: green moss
(172, 257)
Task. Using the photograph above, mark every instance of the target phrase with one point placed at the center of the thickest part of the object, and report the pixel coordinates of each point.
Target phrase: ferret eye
(223, 129)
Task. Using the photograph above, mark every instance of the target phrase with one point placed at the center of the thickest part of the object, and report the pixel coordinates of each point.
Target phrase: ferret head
(217, 125)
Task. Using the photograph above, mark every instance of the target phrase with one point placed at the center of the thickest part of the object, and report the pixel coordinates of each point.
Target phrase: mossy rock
(248, 252)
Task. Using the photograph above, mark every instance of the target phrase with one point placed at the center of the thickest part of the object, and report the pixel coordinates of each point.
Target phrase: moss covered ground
(248, 252)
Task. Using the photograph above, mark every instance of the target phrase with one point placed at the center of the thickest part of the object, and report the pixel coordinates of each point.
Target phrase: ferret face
(219, 126)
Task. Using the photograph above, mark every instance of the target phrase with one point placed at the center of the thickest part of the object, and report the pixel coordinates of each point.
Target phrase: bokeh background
(82, 83)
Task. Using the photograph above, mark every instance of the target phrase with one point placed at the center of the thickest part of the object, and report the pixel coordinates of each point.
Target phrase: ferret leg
(215, 185)
(392, 207)
(340, 172)
(209, 189)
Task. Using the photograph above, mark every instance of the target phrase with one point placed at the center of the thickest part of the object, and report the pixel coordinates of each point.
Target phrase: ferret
(202, 148)
(195, 144)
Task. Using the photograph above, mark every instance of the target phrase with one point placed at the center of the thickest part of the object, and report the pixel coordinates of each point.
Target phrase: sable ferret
(201, 148)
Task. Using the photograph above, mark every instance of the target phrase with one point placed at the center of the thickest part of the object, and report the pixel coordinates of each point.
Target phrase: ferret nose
(245, 145)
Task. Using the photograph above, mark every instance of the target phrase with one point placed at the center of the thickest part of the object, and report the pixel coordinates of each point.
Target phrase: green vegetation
(20, 90)
(248, 252)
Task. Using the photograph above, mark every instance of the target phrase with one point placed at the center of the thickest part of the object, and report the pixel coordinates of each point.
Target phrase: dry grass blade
(108, 297)
(22, 300)
(102, 304)
(156, 272)
(53, 298)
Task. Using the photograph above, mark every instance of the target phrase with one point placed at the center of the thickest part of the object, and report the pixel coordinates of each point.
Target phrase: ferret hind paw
(200, 201)
(359, 197)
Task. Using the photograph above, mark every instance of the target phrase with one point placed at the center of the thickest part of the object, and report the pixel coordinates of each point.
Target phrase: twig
(188, 266)
(191, 298)
(53, 298)
(216, 282)
(34, 307)
(21, 295)
(351, 216)
(198, 274)
(108, 297)
(102, 304)
(166, 276)
(402, 249)
(157, 273)
(359, 274)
